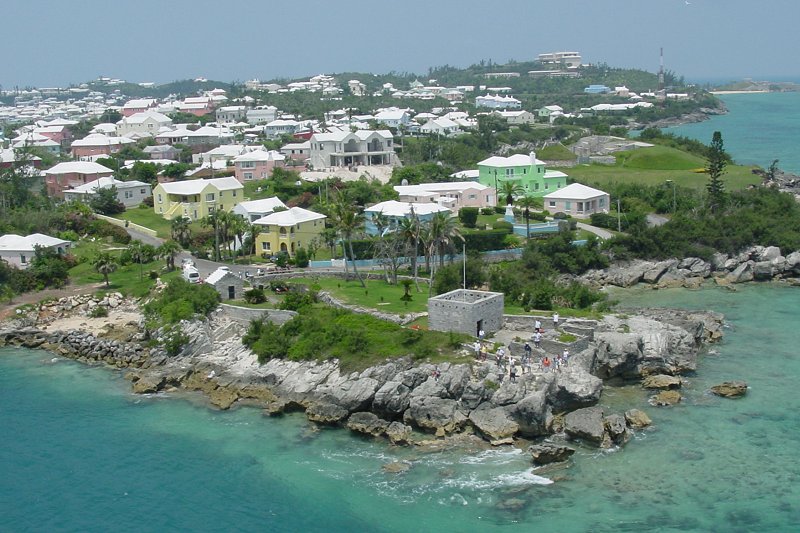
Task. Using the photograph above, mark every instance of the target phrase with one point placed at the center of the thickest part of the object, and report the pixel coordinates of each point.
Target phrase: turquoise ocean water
(758, 129)
(79, 452)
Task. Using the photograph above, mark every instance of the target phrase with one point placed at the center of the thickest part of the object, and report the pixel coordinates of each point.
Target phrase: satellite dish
(404, 182)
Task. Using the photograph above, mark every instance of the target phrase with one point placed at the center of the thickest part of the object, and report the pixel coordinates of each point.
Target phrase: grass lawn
(150, 219)
(378, 294)
(126, 279)
(555, 152)
(656, 165)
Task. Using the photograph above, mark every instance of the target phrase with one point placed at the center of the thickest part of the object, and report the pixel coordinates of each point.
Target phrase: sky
(57, 42)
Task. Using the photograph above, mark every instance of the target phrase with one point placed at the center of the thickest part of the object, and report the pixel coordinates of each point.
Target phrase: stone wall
(246, 314)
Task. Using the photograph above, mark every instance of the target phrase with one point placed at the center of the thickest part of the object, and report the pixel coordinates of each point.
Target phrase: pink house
(577, 200)
(71, 174)
(453, 195)
(59, 134)
(98, 144)
(197, 105)
(257, 165)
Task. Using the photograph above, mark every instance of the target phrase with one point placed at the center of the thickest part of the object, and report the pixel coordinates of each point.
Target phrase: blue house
(597, 89)
(395, 211)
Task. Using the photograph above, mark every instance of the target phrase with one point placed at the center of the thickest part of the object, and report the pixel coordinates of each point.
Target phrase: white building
(261, 115)
(146, 123)
(129, 193)
(252, 210)
(18, 251)
(497, 102)
(577, 200)
(345, 148)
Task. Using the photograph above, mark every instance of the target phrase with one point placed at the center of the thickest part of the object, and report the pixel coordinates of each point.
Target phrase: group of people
(508, 364)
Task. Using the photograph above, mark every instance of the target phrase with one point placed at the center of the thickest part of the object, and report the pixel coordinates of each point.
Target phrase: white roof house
(290, 217)
(516, 160)
(129, 193)
(260, 156)
(18, 251)
(78, 167)
(188, 187)
(252, 210)
(577, 200)
(393, 208)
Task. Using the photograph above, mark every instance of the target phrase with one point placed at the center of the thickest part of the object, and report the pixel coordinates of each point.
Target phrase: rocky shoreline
(757, 263)
(701, 115)
(398, 400)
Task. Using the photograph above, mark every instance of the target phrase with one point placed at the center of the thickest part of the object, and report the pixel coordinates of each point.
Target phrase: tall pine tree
(715, 168)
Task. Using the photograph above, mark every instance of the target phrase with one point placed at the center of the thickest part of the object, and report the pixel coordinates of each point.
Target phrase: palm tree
(254, 231)
(527, 202)
(104, 264)
(348, 221)
(212, 221)
(238, 227)
(180, 230)
(409, 229)
(137, 252)
(167, 251)
(442, 232)
(510, 189)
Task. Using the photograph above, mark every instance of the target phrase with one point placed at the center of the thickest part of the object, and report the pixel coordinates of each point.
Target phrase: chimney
(533, 157)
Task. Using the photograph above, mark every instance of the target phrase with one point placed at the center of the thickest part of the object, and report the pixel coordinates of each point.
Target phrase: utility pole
(619, 214)
(464, 249)
(674, 199)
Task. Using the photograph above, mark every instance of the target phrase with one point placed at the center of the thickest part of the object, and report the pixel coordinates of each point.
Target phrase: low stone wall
(127, 224)
(326, 298)
(246, 314)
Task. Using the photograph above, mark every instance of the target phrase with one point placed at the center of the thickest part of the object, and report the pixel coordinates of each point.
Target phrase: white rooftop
(453, 186)
(18, 243)
(290, 217)
(197, 186)
(105, 183)
(264, 205)
(516, 160)
(217, 275)
(393, 208)
(576, 191)
(80, 167)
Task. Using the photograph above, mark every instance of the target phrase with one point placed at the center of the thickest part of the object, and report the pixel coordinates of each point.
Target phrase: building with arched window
(287, 231)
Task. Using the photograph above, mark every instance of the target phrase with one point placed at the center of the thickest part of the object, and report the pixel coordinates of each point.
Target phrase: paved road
(600, 232)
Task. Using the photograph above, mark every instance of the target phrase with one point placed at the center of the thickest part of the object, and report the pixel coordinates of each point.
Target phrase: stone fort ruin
(466, 311)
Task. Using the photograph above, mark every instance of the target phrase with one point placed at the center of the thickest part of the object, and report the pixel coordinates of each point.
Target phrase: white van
(191, 274)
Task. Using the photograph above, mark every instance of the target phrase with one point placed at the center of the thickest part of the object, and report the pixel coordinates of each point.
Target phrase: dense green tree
(180, 230)
(715, 168)
(105, 201)
(167, 251)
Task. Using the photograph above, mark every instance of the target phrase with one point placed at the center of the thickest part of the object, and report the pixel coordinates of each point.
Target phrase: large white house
(18, 251)
(453, 195)
(393, 211)
(345, 148)
(129, 193)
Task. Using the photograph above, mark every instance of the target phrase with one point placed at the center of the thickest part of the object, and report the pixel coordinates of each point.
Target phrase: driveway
(600, 232)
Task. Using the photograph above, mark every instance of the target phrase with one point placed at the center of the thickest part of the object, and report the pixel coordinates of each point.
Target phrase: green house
(525, 170)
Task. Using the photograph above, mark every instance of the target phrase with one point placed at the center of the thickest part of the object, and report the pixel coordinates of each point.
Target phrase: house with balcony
(257, 165)
(196, 199)
(281, 126)
(296, 151)
(393, 212)
(71, 174)
(231, 114)
(288, 231)
(524, 170)
(453, 195)
(129, 193)
(577, 200)
(348, 149)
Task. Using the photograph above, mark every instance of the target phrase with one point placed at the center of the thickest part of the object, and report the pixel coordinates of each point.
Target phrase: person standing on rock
(477, 347)
(537, 339)
(513, 371)
(481, 334)
(528, 350)
(555, 320)
(537, 326)
(565, 356)
(546, 364)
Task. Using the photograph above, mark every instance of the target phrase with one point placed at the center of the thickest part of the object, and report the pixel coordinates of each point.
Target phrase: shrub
(153, 274)
(301, 258)
(499, 209)
(487, 211)
(181, 300)
(255, 296)
(508, 227)
(98, 311)
(282, 259)
(468, 216)
(174, 340)
(295, 300)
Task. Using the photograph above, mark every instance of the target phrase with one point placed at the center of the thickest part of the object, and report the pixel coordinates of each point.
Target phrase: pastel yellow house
(195, 199)
(287, 231)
